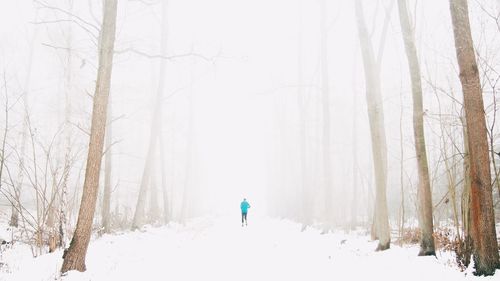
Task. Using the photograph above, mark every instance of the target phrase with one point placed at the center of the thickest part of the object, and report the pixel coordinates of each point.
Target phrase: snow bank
(220, 249)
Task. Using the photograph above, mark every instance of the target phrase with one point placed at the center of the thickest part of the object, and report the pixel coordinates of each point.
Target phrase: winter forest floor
(220, 249)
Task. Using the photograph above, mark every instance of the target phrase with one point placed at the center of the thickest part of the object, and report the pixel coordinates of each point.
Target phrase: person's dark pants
(244, 218)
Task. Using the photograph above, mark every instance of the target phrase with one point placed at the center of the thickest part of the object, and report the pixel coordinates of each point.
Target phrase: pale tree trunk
(301, 105)
(401, 171)
(424, 184)
(451, 173)
(161, 87)
(166, 201)
(74, 257)
(452, 167)
(486, 258)
(106, 199)
(355, 198)
(154, 208)
(189, 153)
(377, 130)
(325, 93)
(139, 215)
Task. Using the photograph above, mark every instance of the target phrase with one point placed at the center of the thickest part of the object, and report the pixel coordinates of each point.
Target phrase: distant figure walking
(244, 206)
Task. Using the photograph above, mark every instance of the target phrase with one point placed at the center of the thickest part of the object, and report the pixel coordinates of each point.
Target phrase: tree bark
(377, 130)
(74, 257)
(424, 184)
(485, 252)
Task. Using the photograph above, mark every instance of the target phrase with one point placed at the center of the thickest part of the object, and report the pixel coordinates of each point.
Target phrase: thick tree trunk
(74, 257)
(377, 130)
(486, 258)
(424, 184)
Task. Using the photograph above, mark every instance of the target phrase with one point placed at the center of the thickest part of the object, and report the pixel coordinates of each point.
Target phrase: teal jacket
(244, 206)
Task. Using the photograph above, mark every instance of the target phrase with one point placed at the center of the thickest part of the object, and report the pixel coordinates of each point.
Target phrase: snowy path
(221, 249)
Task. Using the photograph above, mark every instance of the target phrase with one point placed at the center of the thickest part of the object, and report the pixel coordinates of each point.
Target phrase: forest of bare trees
(373, 117)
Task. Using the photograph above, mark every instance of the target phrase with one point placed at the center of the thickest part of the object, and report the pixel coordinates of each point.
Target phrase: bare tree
(306, 201)
(424, 185)
(139, 214)
(325, 94)
(486, 258)
(377, 130)
(74, 257)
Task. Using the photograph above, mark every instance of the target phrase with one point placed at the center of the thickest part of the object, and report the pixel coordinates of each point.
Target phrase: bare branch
(46, 6)
(172, 57)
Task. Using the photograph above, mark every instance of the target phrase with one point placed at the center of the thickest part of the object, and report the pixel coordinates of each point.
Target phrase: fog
(240, 78)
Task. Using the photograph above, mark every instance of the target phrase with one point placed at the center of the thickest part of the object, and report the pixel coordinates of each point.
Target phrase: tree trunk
(185, 211)
(74, 257)
(161, 86)
(485, 253)
(106, 200)
(325, 90)
(154, 208)
(401, 224)
(355, 198)
(377, 130)
(465, 202)
(166, 201)
(139, 214)
(424, 184)
(304, 190)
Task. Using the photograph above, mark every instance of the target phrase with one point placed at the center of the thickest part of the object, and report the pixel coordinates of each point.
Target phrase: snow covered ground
(220, 249)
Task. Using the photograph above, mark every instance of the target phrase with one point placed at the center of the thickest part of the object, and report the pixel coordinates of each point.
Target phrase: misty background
(239, 77)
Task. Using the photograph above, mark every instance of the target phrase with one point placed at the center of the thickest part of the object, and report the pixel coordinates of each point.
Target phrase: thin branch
(46, 6)
(172, 57)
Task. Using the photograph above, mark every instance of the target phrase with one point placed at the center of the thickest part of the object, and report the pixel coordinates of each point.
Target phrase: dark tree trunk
(483, 232)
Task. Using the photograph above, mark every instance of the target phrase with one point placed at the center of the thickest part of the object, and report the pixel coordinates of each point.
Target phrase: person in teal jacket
(244, 206)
